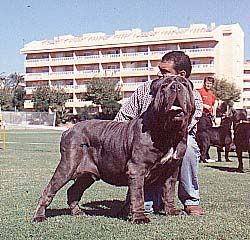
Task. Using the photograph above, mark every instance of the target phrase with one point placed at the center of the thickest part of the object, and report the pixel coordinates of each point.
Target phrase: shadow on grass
(106, 208)
(225, 169)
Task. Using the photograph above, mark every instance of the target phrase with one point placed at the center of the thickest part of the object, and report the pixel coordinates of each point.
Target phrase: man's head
(176, 63)
(208, 83)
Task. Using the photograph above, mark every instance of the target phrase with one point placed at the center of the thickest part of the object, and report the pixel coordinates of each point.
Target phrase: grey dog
(135, 153)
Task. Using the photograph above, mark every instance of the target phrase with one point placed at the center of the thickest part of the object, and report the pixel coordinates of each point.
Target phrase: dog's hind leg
(219, 154)
(65, 171)
(76, 191)
(227, 150)
(239, 155)
(249, 158)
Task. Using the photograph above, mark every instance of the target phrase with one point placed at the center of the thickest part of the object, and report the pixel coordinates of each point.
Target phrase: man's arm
(198, 109)
(136, 104)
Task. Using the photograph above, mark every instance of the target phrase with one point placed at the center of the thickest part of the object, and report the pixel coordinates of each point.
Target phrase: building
(246, 86)
(131, 57)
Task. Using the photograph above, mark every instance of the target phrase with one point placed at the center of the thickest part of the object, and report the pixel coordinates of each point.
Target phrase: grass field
(30, 159)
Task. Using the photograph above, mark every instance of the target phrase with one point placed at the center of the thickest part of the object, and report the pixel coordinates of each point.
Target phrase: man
(208, 99)
(172, 63)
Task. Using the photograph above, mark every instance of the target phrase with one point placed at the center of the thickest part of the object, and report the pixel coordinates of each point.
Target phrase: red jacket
(208, 98)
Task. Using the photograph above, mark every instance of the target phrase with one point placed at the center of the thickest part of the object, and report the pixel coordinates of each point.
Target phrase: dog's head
(239, 115)
(173, 98)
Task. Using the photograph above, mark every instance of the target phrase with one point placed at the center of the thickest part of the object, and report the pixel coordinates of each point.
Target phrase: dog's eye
(184, 83)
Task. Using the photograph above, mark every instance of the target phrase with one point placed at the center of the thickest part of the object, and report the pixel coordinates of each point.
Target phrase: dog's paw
(175, 212)
(239, 170)
(78, 212)
(39, 218)
(140, 220)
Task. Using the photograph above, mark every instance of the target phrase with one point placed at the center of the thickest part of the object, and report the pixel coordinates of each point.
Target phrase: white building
(132, 57)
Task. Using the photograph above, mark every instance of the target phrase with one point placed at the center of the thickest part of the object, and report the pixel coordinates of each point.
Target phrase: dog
(241, 127)
(139, 152)
(239, 115)
(219, 137)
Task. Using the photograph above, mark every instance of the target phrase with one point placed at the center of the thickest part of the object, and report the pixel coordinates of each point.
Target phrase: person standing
(208, 99)
(172, 63)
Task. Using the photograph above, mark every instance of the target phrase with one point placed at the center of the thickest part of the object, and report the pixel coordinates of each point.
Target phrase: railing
(134, 69)
(29, 90)
(246, 84)
(198, 66)
(62, 59)
(37, 60)
(131, 54)
(110, 55)
(61, 73)
(198, 50)
(105, 72)
(88, 57)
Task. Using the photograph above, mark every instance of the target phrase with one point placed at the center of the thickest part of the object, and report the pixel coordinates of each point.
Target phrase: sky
(23, 21)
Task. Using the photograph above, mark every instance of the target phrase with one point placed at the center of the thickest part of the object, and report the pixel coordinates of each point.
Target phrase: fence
(28, 118)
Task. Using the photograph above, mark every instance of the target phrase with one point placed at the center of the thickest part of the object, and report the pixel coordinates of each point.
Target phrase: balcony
(62, 61)
(198, 83)
(124, 72)
(199, 52)
(246, 76)
(135, 56)
(87, 59)
(246, 84)
(130, 87)
(203, 68)
(28, 104)
(77, 103)
(87, 74)
(67, 88)
(157, 55)
(37, 62)
(64, 74)
(105, 58)
(139, 71)
(246, 94)
(37, 76)
(246, 103)
(75, 89)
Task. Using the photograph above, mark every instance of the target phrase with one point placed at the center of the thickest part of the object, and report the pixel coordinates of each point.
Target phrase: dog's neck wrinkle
(162, 134)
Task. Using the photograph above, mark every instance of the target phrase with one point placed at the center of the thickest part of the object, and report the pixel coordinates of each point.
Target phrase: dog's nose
(175, 86)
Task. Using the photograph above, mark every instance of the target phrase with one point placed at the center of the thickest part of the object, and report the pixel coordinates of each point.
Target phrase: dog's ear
(191, 83)
(155, 86)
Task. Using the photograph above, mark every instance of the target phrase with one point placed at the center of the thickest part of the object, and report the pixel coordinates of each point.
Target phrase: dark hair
(181, 61)
(209, 79)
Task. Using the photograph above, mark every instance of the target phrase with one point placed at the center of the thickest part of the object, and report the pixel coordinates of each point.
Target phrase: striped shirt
(140, 100)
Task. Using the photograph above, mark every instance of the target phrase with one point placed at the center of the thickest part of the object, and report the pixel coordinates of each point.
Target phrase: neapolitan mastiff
(219, 137)
(135, 153)
(241, 126)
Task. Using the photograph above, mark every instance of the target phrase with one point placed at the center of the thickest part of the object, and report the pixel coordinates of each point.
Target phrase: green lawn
(26, 167)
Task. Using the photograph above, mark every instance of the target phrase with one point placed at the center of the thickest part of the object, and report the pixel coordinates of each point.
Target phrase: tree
(13, 80)
(41, 97)
(5, 98)
(18, 97)
(106, 93)
(12, 94)
(226, 91)
(46, 98)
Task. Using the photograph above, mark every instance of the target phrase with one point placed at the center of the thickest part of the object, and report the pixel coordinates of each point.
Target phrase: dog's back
(242, 136)
(219, 137)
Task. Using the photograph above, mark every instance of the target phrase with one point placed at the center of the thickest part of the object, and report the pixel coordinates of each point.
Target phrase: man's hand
(208, 107)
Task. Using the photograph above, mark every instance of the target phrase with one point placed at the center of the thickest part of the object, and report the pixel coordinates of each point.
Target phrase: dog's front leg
(136, 184)
(168, 195)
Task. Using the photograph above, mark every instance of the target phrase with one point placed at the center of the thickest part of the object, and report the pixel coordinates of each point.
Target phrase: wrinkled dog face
(173, 97)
